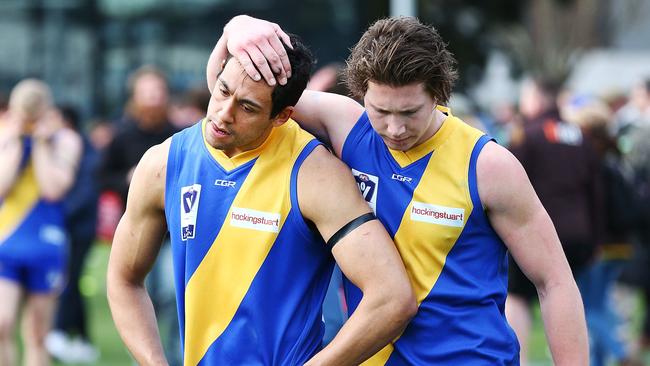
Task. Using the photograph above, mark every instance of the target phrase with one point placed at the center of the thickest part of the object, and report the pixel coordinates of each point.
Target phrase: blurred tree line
(86, 48)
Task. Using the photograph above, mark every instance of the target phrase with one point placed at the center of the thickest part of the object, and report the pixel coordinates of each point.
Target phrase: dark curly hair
(399, 51)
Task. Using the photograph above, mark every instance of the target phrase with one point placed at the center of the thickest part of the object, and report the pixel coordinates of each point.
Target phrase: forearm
(564, 323)
(135, 320)
(11, 151)
(52, 175)
(363, 335)
(218, 55)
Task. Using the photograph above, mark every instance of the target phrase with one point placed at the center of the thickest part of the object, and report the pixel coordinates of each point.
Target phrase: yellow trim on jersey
(404, 158)
(232, 162)
(19, 202)
(424, 246)
(237, 253)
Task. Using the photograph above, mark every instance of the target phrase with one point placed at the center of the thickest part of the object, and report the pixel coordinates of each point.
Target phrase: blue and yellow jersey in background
(250, 274)
(427, 199)
(33, 242)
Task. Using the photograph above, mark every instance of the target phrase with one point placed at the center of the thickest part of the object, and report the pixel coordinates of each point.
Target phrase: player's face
(402, 115)
(238, 116)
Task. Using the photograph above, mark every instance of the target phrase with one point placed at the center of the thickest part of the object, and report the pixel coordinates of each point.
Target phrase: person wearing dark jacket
(564, 169)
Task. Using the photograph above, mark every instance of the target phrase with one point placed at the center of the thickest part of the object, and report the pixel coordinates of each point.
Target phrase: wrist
(234, 19)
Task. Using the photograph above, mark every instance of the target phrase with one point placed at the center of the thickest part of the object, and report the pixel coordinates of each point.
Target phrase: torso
(250, 274)
(428, 200)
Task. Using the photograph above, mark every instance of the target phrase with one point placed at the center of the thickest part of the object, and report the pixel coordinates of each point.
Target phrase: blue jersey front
(250, 274)
(427, 198)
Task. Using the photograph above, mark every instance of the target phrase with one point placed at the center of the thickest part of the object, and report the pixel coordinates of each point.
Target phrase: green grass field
(113, 352)
(102, 329)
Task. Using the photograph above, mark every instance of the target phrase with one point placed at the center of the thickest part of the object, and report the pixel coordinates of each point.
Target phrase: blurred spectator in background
(100, 134)
(564, 169)
(145, 123)
(3, 104)
(636, 139)
(40, 156)
(189, 107)
(69, 342)
(620, 218)
(633, 115)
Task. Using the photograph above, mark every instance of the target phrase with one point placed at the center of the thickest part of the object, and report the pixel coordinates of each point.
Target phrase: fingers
(274, 58)
(258, 46)
(245, 61)
(280, 33)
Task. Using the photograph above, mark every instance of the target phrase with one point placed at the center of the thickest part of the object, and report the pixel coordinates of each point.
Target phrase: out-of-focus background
(85, 49)
(88, 50)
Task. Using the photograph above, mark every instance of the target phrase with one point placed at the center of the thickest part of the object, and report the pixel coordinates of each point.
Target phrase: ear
(282, 117)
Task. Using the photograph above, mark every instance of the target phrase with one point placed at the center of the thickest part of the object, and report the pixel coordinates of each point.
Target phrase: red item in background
(109, 212)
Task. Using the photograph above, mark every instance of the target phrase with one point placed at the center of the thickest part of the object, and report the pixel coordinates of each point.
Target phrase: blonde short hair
(30, 99)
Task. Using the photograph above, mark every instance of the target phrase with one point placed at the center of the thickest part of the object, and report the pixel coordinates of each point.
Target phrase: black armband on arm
(347, 228)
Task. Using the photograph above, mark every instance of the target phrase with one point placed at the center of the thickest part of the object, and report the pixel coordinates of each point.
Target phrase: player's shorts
(37, 266)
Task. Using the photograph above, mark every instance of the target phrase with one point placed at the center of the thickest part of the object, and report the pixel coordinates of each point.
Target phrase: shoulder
(324, 180)
(148, 182)
(498, 174)
(327, 193)
(155, 158)
(321, 167)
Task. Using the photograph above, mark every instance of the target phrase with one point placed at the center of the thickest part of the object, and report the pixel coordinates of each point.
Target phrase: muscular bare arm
(521, 221)
(329, 197)
(136, 244)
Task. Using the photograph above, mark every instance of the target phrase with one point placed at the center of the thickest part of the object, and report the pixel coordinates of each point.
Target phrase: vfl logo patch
(190, 196)
(255, 220)
(368, 185)
(440, 215)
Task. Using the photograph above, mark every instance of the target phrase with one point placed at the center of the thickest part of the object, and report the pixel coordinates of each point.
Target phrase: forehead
(242, 86)
(397, 97)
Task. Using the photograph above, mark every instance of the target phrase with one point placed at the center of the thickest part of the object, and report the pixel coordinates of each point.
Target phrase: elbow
(404, 306)
(408, 307)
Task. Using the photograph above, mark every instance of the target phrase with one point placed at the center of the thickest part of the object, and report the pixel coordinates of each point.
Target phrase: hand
(47, 126)
(11, 126)
(258, 43)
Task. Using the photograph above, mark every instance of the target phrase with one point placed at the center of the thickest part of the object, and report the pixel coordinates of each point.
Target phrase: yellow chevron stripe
(219, 284)
(19, 202)
(424, 246)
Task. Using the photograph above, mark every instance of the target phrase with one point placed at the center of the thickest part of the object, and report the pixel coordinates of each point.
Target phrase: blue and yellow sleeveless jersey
(33, 242)
(250, 274)
(427, 199)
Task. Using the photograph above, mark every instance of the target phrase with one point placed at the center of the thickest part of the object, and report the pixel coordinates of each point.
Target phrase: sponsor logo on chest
(255, 220)
(436, 214)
